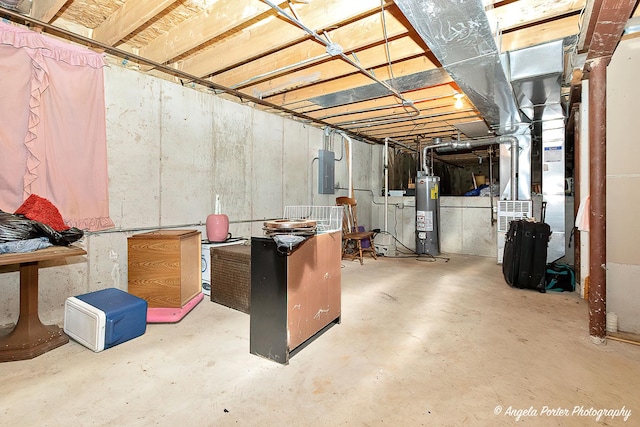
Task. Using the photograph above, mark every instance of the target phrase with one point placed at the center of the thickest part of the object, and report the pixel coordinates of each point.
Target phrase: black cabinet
(294, 298)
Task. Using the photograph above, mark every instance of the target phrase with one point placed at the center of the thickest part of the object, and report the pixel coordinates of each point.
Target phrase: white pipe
(386, 182)
(425, 169)
(349, 162)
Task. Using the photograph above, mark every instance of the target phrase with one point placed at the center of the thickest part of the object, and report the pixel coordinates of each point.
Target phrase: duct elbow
(507, 139)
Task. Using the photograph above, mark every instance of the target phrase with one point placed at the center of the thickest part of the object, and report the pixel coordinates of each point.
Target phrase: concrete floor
(420, 343)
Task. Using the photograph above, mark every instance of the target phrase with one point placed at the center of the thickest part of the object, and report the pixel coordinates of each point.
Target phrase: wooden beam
(609, 27)
(130, 16)
(336, 67)
(223, 16)
(521, 14)
(274, 34)
(591, 12)
(351, 37)
(45, 10)
(538, 34)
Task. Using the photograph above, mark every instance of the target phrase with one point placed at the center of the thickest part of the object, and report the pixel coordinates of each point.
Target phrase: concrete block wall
(171, 149)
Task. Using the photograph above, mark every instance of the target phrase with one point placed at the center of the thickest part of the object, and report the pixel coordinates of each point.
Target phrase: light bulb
(458, 104)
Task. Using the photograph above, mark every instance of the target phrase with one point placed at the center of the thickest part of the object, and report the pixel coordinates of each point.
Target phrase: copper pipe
(598, 194)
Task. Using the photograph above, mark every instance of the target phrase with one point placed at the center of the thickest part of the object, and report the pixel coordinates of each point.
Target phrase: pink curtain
(53, 132)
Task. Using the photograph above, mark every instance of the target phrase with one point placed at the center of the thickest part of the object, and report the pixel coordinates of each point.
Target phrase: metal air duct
(459, 35)
(536, 76)
(466, 145)
(22, 6)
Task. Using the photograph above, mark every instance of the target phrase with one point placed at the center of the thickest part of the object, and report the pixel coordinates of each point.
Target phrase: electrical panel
(326, 172)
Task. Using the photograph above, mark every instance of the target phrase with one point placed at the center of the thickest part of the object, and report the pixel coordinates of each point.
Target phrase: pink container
(217, 227)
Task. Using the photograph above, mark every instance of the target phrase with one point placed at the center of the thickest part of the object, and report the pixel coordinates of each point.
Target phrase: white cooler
(102, 319)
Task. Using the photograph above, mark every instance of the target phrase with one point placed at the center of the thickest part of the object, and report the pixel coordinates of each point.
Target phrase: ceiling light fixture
(458, 97)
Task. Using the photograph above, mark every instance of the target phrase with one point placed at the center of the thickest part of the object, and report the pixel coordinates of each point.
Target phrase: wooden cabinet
(164, 267)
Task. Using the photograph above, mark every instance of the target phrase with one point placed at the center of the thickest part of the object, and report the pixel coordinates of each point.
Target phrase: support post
(598, 193)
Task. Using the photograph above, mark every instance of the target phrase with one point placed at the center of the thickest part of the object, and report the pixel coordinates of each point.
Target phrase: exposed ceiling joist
(218, 19)
(131, 16)
(382, 80)
(352, 38)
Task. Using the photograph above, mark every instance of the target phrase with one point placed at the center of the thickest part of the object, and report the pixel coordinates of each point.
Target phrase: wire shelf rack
(328, 218)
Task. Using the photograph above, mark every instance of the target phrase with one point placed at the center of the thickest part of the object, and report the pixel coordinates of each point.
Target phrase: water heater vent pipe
(425, 168)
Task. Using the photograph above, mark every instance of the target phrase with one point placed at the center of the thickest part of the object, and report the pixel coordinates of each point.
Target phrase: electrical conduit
(386, 182)
(349, 162)
(334, 49)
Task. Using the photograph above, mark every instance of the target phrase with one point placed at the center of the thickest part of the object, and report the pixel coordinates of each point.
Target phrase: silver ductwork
(536, 76)
(553, 186)
(466, 145)
(437, 143)
(22, 6)
(459, 35)
(518, 93)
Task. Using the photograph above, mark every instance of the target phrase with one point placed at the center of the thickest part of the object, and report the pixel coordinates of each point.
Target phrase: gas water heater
(427, 215)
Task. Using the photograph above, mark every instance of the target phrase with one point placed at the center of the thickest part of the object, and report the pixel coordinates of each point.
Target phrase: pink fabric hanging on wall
(15, 82)
(55, 130)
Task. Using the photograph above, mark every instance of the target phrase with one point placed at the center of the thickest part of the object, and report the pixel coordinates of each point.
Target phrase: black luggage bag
(524, 260)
